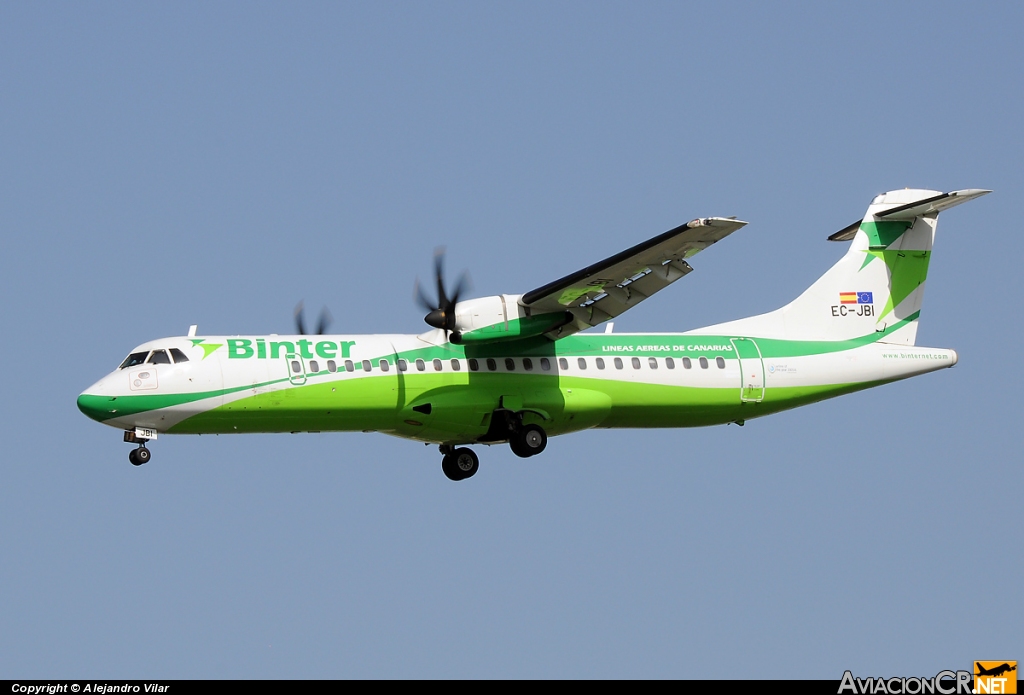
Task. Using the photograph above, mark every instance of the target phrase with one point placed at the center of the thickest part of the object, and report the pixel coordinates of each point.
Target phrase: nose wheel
(139, 456)
(459, 464)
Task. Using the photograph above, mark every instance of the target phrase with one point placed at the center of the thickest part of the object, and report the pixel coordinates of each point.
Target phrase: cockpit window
(178, 356)
(134, 359)
(159, 357)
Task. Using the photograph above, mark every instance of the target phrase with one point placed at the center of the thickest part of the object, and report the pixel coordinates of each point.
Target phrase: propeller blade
(442, 298)
(300, 325)
(422, 298)
(325, 321)
(460, 286)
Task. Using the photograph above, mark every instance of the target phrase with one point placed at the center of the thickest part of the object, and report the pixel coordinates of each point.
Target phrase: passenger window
(491, 364)
(545, 364)
(636, 362)
(420, 365)
(332, 366)
(687, 363)
(385, 366)
(474, 365)
(720, 361)
(582, 363)
(618, 363)
(563, 363)
(670, 363)
(600, 362)
(528, 364)
(314, 366)
(437, 365)
(703, 362)
(136, 358)
(653, 362)
(456, 365)
(159, 357)
(295, 367)
(178, 356)
(402, 365)
(510, 364)
(349, 367)
(367, 366)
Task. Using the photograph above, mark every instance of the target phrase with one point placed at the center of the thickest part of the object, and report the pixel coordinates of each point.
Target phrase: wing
(606, 289)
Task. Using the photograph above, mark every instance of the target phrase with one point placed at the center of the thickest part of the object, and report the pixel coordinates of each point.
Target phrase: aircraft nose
(97, 401)
(955, 357)
(95, 407)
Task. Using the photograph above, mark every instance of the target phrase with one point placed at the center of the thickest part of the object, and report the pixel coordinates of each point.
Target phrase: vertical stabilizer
(877, 287)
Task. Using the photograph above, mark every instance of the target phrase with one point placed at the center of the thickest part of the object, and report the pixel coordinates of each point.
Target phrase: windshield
(159, 357)
(134, 359)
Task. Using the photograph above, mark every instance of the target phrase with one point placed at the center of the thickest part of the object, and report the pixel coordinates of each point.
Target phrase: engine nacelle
(501, 317)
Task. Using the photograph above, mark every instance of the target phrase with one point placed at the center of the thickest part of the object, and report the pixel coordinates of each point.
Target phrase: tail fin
(877, 287)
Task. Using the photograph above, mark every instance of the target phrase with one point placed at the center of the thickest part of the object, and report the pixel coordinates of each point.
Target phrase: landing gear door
(751, 370)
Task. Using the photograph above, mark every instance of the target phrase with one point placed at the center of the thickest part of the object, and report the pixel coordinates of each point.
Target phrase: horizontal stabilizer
(931, 205)
(909, 211)
(846, 233)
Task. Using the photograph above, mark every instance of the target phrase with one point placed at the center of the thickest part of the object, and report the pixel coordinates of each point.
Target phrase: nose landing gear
(139, 436)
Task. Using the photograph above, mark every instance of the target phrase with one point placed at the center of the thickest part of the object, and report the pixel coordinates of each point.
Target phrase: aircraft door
(751, 370)
(296, 367)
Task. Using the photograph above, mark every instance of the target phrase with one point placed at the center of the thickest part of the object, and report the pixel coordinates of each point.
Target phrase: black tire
(518, 447)
(533, 439)
(465, 462)
(134, 459)
(142, 455)
(448, 466)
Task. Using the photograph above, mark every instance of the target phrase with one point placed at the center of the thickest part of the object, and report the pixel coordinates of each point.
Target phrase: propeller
(442, 312)
(322, 323)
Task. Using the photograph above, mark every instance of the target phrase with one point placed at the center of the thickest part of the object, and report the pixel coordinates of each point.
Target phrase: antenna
(192, 330)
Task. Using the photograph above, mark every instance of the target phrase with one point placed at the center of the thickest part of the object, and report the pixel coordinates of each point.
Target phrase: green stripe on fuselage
(462, 404)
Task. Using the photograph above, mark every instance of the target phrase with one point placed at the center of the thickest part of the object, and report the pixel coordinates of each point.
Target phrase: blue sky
(162, 165)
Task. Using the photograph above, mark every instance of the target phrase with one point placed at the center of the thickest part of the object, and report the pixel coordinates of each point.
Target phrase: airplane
(995, 671)
(519, 368)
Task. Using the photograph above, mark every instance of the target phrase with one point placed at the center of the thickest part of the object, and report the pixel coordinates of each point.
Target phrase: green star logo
(907, 268)
(208, 348)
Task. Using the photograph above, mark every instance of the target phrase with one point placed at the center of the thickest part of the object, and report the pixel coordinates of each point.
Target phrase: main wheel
(466, 462)
(448, 466)
(531, 440)
(518, 447)
(142, 456)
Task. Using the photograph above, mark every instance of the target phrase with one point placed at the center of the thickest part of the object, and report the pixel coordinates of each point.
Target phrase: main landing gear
(528, 440)
(459, 464)
(462, 463)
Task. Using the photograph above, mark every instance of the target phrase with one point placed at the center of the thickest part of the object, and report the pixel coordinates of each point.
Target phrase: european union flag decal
(865, 298)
